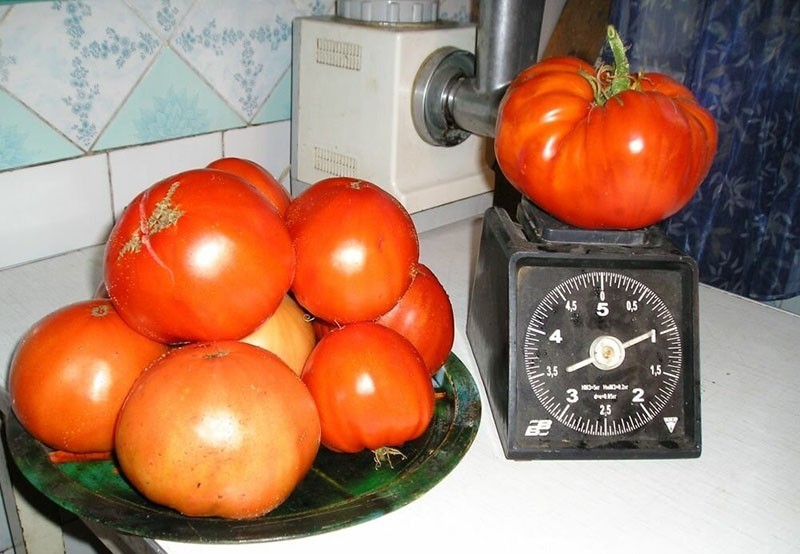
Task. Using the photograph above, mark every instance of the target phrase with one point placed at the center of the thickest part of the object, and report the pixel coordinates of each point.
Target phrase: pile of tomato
(236, 332)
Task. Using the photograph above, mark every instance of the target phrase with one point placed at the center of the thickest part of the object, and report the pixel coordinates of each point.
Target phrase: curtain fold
(741, 58)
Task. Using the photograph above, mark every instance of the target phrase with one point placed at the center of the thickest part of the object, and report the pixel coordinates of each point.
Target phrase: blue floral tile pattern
(242, 52)
(26, 140)
(72, 66)
(163, 16)
(169, 102)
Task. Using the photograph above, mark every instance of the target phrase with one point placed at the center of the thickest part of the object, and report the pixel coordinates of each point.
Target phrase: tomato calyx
(384, 454)
(610, 80)
(164, 215)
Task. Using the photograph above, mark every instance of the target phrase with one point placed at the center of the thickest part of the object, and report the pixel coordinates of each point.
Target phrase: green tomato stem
(609, 81)
(621, 79)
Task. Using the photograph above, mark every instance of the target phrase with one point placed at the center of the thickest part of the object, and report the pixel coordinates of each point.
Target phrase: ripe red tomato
(603, 152)
(71, 372)
(218, 429)
(424, 315)
(257, 176)
(356, 247)
(371, 388)
(198, 256)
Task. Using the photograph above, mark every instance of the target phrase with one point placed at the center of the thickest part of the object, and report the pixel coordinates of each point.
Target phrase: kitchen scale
(586, 341)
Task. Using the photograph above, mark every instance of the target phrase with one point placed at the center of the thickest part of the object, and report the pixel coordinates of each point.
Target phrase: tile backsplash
(84, 76)
(101, 98)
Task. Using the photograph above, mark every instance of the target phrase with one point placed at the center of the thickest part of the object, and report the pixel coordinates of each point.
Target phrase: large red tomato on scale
(220, 428)
(603, 149)
(199, 256)
(356, 247)
(71, 372)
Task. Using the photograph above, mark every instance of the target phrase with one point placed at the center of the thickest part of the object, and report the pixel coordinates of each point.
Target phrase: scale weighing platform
(586, 341)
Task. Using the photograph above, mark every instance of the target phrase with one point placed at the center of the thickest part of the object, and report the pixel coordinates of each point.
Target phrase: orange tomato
(220, 429)
(71, 372)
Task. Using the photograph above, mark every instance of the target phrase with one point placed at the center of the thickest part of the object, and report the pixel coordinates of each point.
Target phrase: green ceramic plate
(340, 490)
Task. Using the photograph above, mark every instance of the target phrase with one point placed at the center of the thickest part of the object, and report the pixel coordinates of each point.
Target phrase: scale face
(587, 342)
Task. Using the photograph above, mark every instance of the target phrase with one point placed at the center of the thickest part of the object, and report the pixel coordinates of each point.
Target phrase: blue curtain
(741, 58)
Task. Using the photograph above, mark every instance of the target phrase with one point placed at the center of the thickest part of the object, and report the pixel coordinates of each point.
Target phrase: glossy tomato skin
(71, 372)
(424, 315)
(220, 428)
(199, 256)
(356, 247)
(259, 177)
(627, 164)
(371, 388)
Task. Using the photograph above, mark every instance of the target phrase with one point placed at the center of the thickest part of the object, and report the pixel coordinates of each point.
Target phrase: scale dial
(603, 354)
(586, 341)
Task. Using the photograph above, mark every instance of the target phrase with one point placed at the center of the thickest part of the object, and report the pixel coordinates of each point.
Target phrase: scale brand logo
(538, 427)
(670, 423)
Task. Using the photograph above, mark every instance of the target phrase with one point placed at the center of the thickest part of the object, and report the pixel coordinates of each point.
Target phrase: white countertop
(741, 496)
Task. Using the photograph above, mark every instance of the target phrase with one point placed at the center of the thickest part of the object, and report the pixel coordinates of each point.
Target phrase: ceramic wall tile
(26, 139)
(171, 101)
(243, 52)
(53, 208)
(163, 16)
(136, 168)
(75, 62)
(278, 105)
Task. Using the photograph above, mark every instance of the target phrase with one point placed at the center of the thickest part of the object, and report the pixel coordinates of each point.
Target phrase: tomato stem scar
(164, 215)
(101, 310)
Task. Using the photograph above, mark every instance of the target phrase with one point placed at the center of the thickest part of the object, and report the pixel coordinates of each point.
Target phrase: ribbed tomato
(218, 429)
(71, 372)
(603, 150)
(199, 256)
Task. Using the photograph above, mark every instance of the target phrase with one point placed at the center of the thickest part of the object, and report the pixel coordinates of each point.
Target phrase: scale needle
(651, 334)
(607, 352)
(578, 365)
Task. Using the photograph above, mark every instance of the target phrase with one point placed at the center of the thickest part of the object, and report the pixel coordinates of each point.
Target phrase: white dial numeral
(572, 395)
